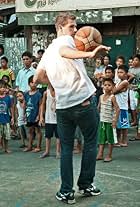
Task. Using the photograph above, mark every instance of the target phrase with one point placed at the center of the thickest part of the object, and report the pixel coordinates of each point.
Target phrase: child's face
(109, 74)
(20, 96)
(130, 63)
(6, 90)
(3, 63)
(108, 86)
(5, 79)
(122, 74)
(106, 60)
(119, 62)
(33, 85)
(27, 61)
(136, 62)
(98, 62)
(39, 55)
(2, 90)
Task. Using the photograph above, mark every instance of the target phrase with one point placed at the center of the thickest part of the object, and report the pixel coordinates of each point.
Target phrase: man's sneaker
(66, 197)
(90, 191)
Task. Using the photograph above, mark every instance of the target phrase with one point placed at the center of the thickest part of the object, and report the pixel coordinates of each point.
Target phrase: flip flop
(134, 139)
(108, 159)
(124, 145)
(99, 158)
(36, 150)
(27, 150)
(44, 155)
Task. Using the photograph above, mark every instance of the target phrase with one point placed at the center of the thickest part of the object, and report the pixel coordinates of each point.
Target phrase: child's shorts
(5, 131)
(105, 133)
(123, 120)
(50, 130)
(32, 124)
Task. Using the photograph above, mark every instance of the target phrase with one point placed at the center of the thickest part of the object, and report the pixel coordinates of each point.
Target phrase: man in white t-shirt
(62, 65)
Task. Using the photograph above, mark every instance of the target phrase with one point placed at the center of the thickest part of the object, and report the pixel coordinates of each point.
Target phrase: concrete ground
(27, 181)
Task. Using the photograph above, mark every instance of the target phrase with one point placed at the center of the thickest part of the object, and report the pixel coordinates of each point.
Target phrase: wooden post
(137, 34)
(28, 35)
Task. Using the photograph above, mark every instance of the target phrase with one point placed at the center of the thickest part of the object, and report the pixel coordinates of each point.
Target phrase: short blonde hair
(62, 19)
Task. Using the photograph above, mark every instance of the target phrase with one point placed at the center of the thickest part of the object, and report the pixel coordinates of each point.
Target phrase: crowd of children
(26, 107)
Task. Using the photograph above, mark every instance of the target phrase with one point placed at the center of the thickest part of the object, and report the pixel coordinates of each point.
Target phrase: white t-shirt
(50, 114)
(67, 76)
(122, 99)
(21, 115)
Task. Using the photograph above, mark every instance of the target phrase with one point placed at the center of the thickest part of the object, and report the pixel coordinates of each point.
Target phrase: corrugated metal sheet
(6, 6)
(1, 39)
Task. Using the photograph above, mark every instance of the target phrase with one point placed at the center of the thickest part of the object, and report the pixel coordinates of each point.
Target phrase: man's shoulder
(65, 40)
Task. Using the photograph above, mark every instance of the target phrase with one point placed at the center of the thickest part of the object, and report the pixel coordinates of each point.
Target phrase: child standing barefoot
(21, 117)
(48, 108)
(5, 106)
(33, 101)
(109, 112)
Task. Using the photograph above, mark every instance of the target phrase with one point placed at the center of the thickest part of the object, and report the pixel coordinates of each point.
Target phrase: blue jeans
(87, 118)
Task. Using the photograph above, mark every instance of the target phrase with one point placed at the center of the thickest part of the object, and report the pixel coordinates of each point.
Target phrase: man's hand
(99, 48)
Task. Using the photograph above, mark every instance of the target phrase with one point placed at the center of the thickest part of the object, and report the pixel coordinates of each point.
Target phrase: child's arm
(42, 108)
(12, 111)
(138, 106)
(99, 104)
(130, 77)
(116, 111)
(123, 86)
(16, 115)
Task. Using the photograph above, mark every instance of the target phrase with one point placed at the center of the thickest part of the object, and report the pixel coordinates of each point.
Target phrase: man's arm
(70, 53)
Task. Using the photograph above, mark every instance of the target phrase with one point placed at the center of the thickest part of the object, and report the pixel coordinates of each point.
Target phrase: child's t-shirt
(32, 106)
(138, 92)
(8, 72)
(5, 104)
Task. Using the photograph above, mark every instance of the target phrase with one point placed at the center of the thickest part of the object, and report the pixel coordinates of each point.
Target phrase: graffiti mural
(41, 39)
(14, 47)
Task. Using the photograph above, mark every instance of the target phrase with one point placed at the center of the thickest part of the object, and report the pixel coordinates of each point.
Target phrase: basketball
(87, 38)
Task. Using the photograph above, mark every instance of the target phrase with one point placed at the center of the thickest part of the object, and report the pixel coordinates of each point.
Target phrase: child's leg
(119, 136)
(100, 152)
(134, 118)
(138, 128)
(47, 150)
(1, 142)
(57, 147)
(30, 135)
(78, 146)
(79, 137)
(6, 146)
(48, 145)
(108, 158)
(6, 137)
(39, 136)
(22, 133)
(124, 138)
